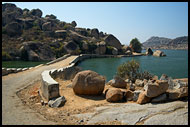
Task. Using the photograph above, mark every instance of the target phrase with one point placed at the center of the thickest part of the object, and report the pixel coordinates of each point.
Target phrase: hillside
(166, 43)
(26, 35)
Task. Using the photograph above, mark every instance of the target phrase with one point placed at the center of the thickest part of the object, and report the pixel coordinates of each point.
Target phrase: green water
(20, 64)
(175, 64)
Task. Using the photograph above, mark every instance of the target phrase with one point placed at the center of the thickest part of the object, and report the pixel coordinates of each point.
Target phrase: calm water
(20, 64)
(175, 64)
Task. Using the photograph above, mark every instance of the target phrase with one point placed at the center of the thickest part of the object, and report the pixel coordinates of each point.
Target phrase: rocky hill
(26, 35)
(166, 43)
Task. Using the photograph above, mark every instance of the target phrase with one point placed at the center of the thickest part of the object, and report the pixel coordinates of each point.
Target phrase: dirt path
(13, 111)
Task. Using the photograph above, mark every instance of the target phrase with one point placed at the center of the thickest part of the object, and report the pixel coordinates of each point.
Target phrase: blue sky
(125, 20)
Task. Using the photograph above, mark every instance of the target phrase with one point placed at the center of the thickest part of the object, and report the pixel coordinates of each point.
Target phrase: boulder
(164, 77)
(142, 99)
(114, 95)
(177, 93)
(36, 12)
(118, 82)
(101, 48)
(101, 34)
(81, 31)
(76, 37)
(13, 29)
(149, 51)
(50, 16)
(47, 26)
(95, 33)
(27, 23)
(128, 52)
(114, 51)
(88, 83)
(156, 88)
(160, 98)
(136, 94)
(139, 83)
(129, 95)
(36, 51)
(112, 41)
(60, 33)
(71, 47)
(58, 102)
(179, 84)
(85, 45)
(158, 53)
(73, 23)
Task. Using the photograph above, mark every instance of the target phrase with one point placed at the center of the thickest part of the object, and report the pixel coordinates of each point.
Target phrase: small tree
(131, 70)
(128, 70)
(136, 45)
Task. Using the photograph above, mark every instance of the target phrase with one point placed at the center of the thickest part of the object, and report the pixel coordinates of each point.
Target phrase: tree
(131, 70)
(136, 45)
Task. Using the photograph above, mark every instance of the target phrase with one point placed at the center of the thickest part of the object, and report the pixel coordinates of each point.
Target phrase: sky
(125, 20)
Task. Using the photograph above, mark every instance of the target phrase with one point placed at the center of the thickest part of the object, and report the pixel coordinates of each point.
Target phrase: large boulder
(113, 41)
(156, 88)
(47, 26)
(13, 29)
(95, 33)
(177, 93)
(81, 31)
(71, 47)
(142, 99)
(36, 12)
(60, 33)
(101, 48)
(114, 95)
(118, 82)
(36, 51)
(76, 36)
(10, 12)
(73, 23)
(149, 51)
(136, 94)
(88, 83)
(159, 53)
(27, 23)
(50, 16)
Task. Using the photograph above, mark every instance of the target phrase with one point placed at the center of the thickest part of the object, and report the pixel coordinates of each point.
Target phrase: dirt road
(13, 111)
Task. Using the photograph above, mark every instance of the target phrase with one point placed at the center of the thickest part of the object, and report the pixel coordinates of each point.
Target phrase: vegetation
(6, 56)
(109, 49)
(136, 45)
(131, 70)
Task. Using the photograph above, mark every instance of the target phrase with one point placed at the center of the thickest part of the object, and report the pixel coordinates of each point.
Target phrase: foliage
(6, 56)
(130, 70)
(136, 45)
(59, 52)
(4, 30)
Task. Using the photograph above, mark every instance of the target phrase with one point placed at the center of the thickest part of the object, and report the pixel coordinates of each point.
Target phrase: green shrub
(6, 56)
(131, 70)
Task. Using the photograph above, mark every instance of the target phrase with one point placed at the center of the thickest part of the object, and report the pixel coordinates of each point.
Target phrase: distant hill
(166, 43)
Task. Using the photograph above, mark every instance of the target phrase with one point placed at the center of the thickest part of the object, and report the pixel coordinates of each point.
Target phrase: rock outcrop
(112, 41)
(118, 82)
(88, 83)
(159, 53)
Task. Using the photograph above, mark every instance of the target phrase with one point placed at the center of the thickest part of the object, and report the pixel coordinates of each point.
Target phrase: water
(21, 64)
(175, 64)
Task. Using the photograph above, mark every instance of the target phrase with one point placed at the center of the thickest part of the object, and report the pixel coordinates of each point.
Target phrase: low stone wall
(6, 71)
(49, 87)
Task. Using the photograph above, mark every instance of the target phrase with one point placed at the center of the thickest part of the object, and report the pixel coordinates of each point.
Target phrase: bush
(136, 45)
(6, 56)
(130, 70)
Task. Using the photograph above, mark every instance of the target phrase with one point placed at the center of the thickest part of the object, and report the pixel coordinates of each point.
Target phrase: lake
(21, 64)
(175, 64)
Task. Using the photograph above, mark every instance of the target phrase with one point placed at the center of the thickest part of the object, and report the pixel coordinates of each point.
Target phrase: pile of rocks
(144, 91)
(157, 53)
